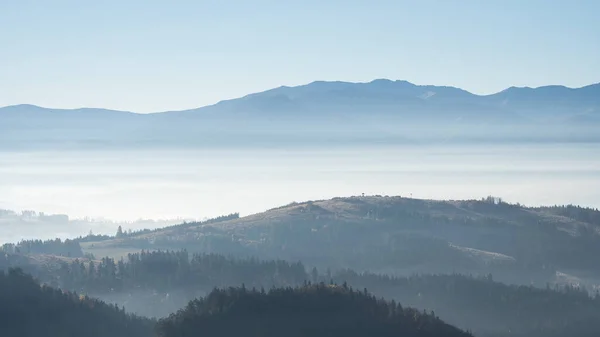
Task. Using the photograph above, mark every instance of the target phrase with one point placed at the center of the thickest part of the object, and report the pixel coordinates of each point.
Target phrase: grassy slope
(352, 232)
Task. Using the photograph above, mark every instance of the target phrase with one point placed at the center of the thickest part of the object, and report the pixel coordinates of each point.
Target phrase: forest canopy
(312, 310)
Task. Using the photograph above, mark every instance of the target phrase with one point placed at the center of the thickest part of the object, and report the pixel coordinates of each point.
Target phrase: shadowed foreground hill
(316, 311)
(30, 310)
(156, 284)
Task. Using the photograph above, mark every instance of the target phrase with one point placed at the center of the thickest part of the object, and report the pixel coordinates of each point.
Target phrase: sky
(149, 56)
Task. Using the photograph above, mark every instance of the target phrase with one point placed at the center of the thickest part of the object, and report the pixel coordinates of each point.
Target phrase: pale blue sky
(144, 55)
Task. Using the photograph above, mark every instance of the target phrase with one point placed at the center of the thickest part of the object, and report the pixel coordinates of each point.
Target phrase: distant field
(99, 250)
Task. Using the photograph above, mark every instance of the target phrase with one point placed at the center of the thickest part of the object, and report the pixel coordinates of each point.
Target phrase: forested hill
(159, 283)
(488, 308)
(316, 311)
(30, 310)
(399, 235)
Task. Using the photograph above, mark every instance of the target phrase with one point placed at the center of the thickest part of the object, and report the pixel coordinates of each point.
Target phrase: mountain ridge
(321, 113)
(320, 83)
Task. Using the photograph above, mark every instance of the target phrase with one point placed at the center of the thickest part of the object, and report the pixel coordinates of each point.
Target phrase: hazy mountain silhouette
(380, 110)
(551, 101)
(382, 92)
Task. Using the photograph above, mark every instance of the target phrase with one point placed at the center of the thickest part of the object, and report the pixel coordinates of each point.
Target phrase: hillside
(156, 284)
(397, 235)
(319, 310)
(28, 310)
(490, 308)
(320, 113)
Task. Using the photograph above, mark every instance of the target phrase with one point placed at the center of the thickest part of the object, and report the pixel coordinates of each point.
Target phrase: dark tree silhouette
(30, 310)
(316, 310)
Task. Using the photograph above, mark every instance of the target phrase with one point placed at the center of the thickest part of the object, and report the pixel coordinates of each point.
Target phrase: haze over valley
(300, 168)
(321, 140)
(394, 191)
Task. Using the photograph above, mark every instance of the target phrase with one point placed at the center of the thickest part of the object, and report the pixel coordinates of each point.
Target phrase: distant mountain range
(380, 110)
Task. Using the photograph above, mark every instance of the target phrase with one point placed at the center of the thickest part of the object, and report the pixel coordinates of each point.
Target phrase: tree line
(311, 310)
(491, 308)
(58, 247)
(30, 310)
(479, 303)
(166, 270)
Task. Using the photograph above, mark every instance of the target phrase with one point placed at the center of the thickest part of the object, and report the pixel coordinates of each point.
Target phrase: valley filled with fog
(299, 169)
(178, 184)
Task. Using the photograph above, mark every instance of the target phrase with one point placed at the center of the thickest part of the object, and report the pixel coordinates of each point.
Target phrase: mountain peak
(381, 81)
(20, 107)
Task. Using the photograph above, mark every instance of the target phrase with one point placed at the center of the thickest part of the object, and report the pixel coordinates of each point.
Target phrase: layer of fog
(176, 184)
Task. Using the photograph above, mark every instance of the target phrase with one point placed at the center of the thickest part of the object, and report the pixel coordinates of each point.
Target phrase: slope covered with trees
(30, 310)
(318, 310)
(395, 235)
(490, 308)
(68, 248)
(584, 214)
(386, 235)
(159, 283)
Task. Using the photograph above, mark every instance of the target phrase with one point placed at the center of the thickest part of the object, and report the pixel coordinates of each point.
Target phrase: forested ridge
(167, 270)
(312, 310)
(163, 281)
(66, 248)
(517, 244)
(367, 232)
(584, 214)
(30, 310)
(491, 308)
